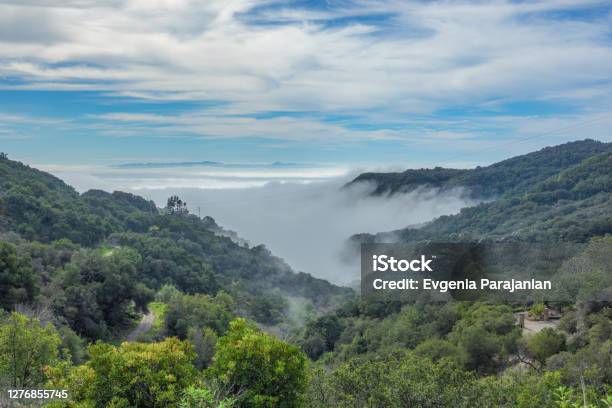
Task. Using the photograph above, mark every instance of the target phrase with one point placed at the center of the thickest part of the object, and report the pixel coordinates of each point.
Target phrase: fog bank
(301, 213)
(308, 224)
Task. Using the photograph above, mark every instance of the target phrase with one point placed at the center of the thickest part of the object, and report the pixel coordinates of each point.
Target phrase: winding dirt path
(145, 324)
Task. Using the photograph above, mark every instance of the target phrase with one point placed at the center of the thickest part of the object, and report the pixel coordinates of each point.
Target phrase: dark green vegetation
(511, 176)
(462, 354)
(77, 271)
(561, 193)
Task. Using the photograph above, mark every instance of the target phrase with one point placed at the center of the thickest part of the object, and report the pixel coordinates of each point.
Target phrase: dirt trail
(145, 324)
(535, 326)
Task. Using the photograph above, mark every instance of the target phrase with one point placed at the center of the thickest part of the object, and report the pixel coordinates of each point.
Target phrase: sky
(328, 84)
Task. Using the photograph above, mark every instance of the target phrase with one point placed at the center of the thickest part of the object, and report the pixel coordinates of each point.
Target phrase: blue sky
(336, 82)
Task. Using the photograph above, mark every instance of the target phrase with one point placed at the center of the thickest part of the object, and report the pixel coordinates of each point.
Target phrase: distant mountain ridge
(510, 176)
(560, 193)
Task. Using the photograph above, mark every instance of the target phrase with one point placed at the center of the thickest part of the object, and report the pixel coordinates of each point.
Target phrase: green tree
(544, 344)
(537, 311)
(268, 308)
(72, 345)
(517, 389)
(131, 375)
(485, 335)
(166, 293)
(99, 290)
(270, 372)
(400, 379)
(198, 311)
(321, 335)
(18, 283)
(26, 348)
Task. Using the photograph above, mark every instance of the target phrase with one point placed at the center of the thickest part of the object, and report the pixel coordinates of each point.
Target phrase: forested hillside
(222, 324)
(98, 258)
(561, 193)
(423, 353)
(508, 177)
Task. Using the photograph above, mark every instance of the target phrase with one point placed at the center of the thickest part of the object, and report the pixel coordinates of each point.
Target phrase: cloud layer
(319, 70)
(308, 224)
(302, 214)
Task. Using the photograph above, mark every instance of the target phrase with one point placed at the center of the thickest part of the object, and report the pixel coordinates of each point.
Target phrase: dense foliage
(250, 369)
(557, 194)
(95, 260)
(78, 271)
(17, 277)
(270, 372)
(26, 347)
(508, 177)
(131, 375)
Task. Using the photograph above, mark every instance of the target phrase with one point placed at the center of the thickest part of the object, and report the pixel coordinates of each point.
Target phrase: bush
(131, 375)
(544, 344)
(269, 371)
(204, 398)
(537, 311)
(26, 347)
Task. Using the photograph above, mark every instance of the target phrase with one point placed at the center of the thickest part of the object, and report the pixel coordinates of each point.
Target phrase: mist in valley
(302, 214)
(308, 224)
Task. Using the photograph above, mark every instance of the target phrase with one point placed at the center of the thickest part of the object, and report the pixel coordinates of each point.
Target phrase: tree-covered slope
(96, 258)
(366, 353)
(508, 177)
(573, 204)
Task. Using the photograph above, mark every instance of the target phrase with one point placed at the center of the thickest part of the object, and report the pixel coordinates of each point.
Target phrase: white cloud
(427, 56)
(233, 176)
(218, 125)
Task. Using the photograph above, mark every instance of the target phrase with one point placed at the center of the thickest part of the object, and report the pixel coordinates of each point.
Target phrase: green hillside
(421, 352)
(124, 304)
(90, 255)
(563, 193)
(508, 177)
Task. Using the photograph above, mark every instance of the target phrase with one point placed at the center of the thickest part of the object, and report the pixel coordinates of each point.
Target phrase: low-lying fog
(304, 221)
